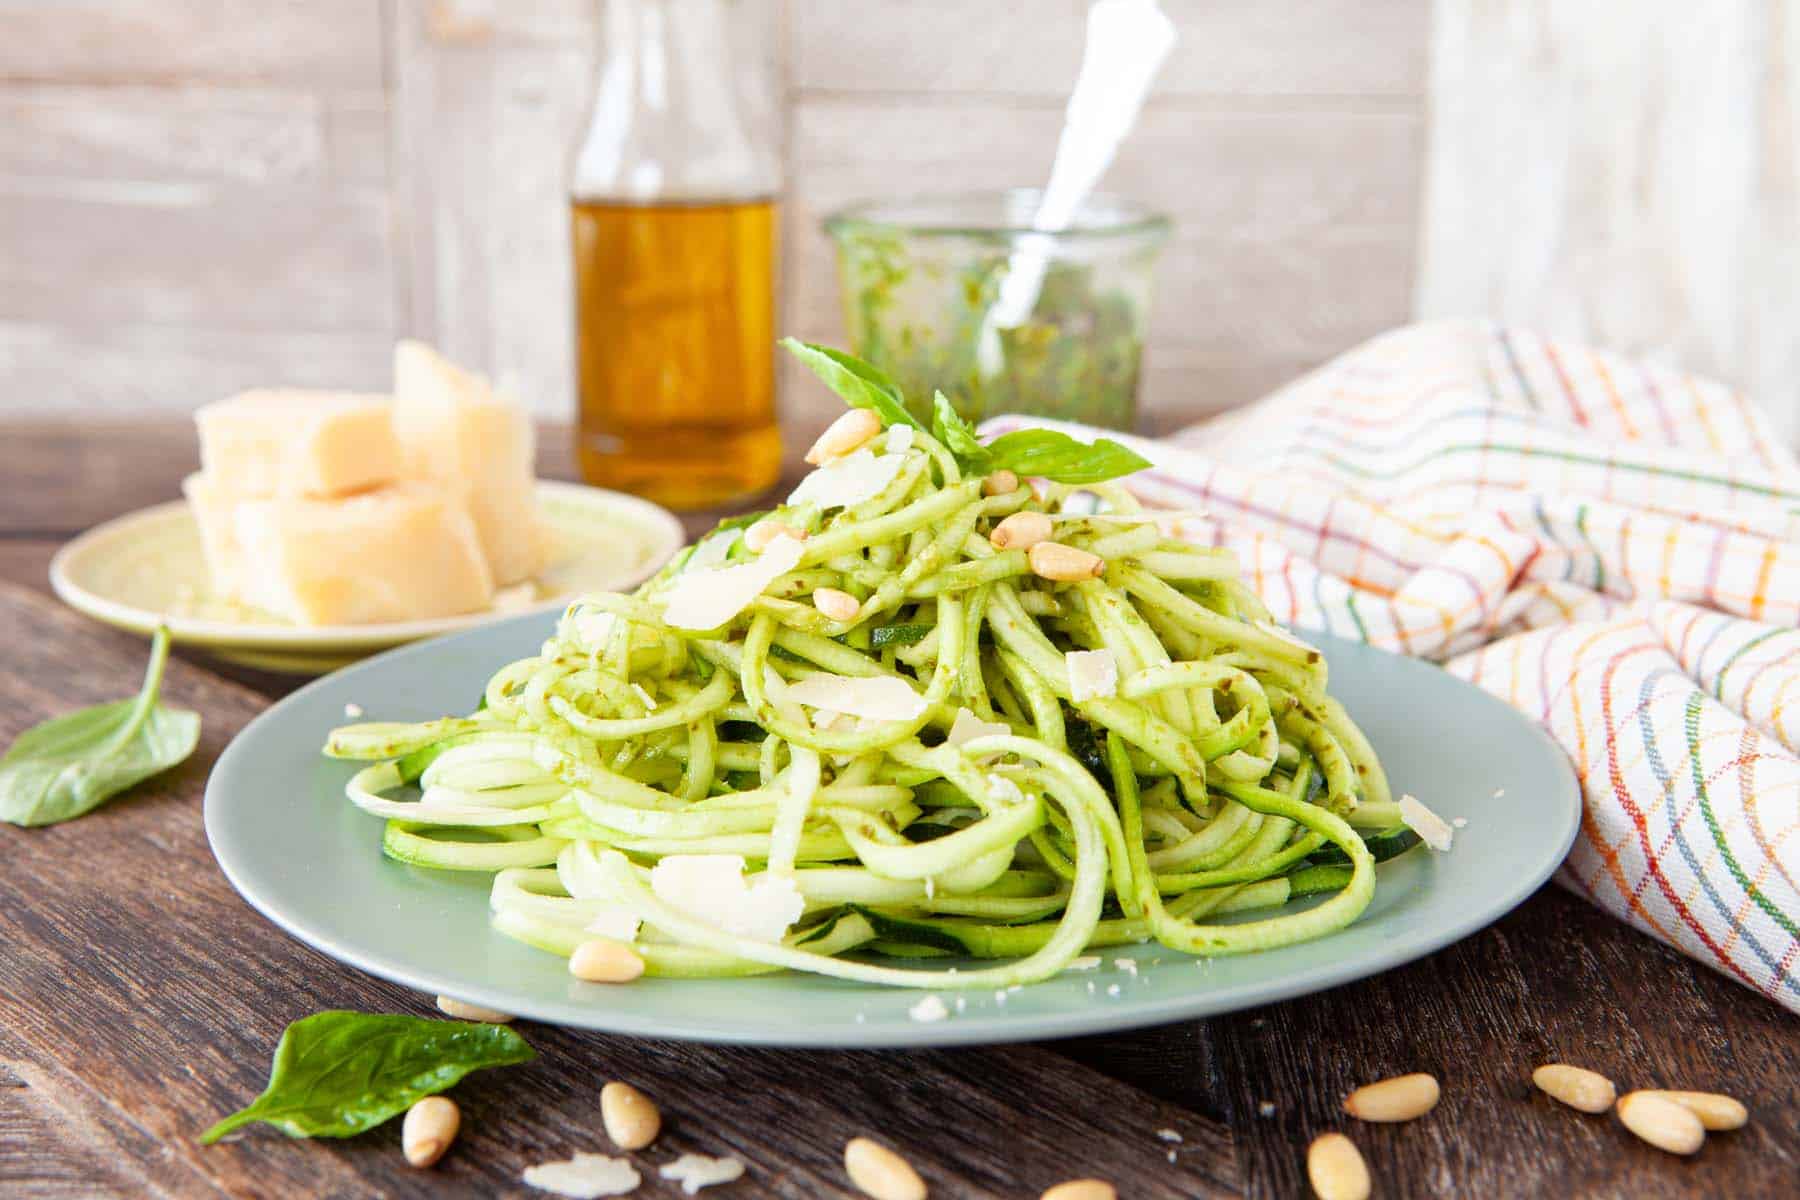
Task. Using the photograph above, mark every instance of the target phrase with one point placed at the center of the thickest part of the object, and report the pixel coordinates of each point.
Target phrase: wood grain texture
(119, 1040)
(1634, 183)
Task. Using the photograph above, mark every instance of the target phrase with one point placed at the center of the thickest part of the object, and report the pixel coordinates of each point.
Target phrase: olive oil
(675, 342)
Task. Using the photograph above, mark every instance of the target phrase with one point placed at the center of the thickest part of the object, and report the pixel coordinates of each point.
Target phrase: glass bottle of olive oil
(673, 230)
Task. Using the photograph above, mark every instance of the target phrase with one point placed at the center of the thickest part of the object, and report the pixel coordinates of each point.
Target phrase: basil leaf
(958, 436)
(857, 383)
(339, 1073)
(1056, 456)
(70, 765)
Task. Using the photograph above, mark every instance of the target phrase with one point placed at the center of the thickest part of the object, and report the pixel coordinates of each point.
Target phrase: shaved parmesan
(1081, 504)
(695, 1171)
(879, 698)
(708, 599)
(967, 727)
(899, 439)
(1093, 674)
(712, 888)
(585, 1177)
(614, 921)
(587, 628)
(712, 549)
(1432, 829)
(850, 480)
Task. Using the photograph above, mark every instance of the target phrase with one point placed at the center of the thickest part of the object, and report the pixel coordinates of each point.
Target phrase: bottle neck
(685, 104)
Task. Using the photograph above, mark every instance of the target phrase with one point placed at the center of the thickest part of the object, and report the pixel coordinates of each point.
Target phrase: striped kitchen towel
(1611, 547)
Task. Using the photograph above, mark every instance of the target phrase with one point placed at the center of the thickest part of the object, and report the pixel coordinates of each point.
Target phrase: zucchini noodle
(975, 797)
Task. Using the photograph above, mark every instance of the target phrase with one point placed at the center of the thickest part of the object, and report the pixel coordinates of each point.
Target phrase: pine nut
(1021, 531)
(844, 435)
(462, 1010)
(1576, 1087)
(839, 606)
(1336, 1168)
(1000, 483)
(1402, 1098)
(1053, 560)
(1716, 1111)
(879, 1172)
(759, 535)
(603, 960)
(429, 1128)
(631, 1118)
(1082, 1189)
(1662, 1122)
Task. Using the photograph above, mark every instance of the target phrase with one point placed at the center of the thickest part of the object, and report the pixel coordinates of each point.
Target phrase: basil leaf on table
(859, 384)
(1054, 455)
(70, 765)
(339, 1073)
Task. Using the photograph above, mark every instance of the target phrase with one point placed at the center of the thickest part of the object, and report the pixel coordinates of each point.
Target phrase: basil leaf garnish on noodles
(339, 1073)
(857, 383)
(1045, 453)
(1056, 456)
(70, 765)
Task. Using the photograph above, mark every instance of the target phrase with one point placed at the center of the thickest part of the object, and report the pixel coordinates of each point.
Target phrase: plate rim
(969, 1029)
(199, 631)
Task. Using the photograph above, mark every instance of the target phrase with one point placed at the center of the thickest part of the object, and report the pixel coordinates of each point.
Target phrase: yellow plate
(146, 569)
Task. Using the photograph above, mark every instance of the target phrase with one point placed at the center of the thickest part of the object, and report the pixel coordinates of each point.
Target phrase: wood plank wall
(191, 202)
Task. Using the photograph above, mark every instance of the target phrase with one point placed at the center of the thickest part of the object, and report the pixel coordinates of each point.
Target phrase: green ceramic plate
(145, 568)
(297, 850)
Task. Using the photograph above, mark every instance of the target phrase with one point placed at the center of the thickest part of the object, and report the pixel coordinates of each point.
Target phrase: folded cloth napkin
(1611, 547)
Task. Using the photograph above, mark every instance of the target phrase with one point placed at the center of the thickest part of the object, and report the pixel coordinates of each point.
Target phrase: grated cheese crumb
(584, 1177)
(696, 1171)
(353, 711)
(1000, 996)
(1169, 1135)
(1086, 962)
(1499, 792)
(931, 1008)
(1459, 822)
(1171, 1156)
(1432, 829)
(1127, 965)
(962, 1002)
(1266, 1108)
(1112, 990)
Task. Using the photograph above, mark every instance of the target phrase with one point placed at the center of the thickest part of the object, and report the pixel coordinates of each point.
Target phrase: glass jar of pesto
(921, 278)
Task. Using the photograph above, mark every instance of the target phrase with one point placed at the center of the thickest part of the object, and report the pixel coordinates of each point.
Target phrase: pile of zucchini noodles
(1218, 776)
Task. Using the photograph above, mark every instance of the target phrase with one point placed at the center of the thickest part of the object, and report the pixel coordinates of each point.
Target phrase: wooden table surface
(140, 998)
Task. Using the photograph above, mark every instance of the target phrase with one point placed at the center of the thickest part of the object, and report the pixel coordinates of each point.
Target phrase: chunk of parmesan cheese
(879, 698)
(1093, 674)
(850, 480)
(587, 627)
(585, 1177)
(1432, 829)
(708, 599)
(899, 439)
(712, 888)
(696, 1171)
(400, 552)
(931, 1008)
(967, 727)
(298, 443)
